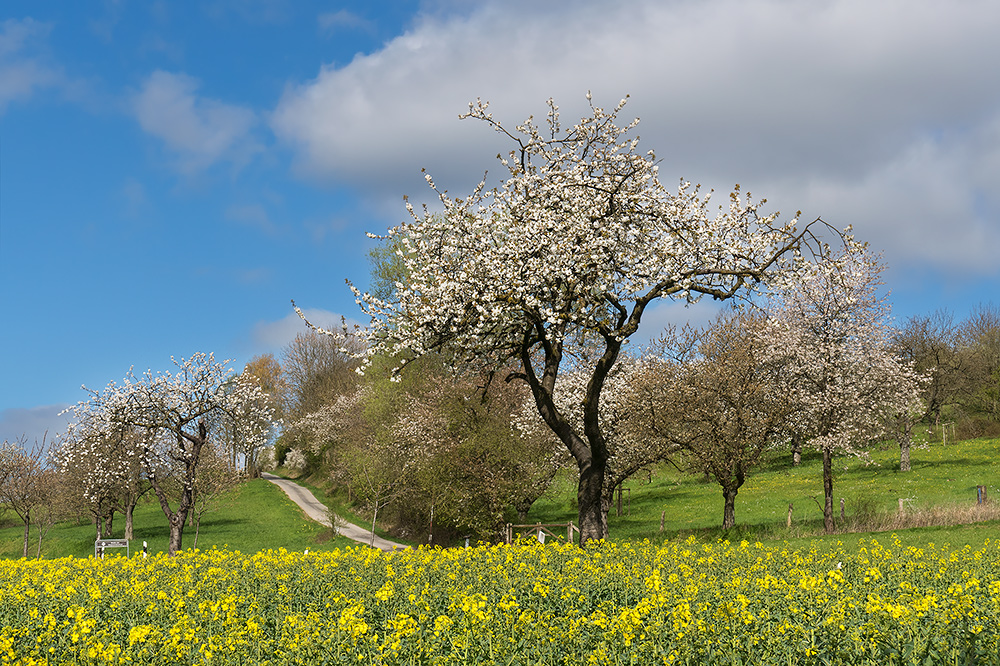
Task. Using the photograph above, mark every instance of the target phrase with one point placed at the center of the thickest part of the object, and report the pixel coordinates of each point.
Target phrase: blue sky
(172, 173)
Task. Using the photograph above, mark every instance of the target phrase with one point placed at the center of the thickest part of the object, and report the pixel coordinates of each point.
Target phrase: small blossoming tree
(718, 396)
(832, 335)
(569, 250)
(176, 414)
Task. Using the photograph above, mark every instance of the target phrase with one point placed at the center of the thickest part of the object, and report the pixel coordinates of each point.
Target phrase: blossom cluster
(573, 243)
(832, 335)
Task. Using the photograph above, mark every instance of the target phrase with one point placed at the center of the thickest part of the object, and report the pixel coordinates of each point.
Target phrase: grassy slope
(259, 516)
(256, 516)
(940, 475)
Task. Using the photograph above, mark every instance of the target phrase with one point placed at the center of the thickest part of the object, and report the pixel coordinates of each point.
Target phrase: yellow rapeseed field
(642, 603)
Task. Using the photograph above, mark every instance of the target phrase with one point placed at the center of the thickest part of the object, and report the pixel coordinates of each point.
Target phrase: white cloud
(199, 131)
(270, 336)
(33, 423)
(21, 74)
(928, 205)
(877, 114)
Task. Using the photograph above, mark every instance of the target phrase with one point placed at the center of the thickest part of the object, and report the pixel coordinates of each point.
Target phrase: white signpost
(101, 544)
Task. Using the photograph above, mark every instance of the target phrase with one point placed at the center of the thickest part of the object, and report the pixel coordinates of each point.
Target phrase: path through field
(318, 512)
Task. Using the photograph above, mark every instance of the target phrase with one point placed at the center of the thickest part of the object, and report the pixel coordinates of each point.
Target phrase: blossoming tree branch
(567, 253)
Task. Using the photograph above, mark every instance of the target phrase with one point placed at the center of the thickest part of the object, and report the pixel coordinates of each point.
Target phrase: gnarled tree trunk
(593, 508)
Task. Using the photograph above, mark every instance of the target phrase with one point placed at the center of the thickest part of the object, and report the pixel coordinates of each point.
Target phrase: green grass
(258, 515)
(941, 475)
(255, 516)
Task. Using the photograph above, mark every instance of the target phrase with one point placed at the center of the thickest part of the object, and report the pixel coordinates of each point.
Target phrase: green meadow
(942, 478)
(255, 516)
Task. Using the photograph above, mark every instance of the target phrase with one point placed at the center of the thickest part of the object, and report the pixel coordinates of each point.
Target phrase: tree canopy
(567, 253)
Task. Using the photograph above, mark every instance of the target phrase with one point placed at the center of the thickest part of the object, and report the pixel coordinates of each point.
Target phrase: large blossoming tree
(570, 250)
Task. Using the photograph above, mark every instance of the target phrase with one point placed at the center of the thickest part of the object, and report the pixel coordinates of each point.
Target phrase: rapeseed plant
(673, 603)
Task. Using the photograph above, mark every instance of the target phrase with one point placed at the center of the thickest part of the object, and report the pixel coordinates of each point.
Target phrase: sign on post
(101, 544)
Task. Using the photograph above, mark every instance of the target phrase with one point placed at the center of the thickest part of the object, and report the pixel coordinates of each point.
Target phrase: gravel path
(318, 512)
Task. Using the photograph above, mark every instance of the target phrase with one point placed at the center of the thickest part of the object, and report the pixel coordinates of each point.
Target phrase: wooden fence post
(842, 508)
(789, 521)
(980, 494)
(663, 519)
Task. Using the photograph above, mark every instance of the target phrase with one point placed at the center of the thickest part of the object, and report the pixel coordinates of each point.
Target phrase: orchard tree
(980, 345)
(570, 250)
(715, 396)
(239, 432)
(833, 337)
(104, 465)
(52, 486)
(931, 343)
(22, 481)
(176, 414)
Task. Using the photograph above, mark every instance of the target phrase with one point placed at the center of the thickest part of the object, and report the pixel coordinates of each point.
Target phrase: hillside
(943, 477)
(257, 516)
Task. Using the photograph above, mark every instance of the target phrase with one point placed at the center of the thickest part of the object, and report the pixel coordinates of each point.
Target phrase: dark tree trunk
(828, 525)
(593, 508)
(109, 523)
(590, 451)
(129, 534)
(796, 450)
(176, 532)
(729, 509)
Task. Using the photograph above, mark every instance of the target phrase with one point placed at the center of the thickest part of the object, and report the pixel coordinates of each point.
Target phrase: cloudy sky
(172, 173)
